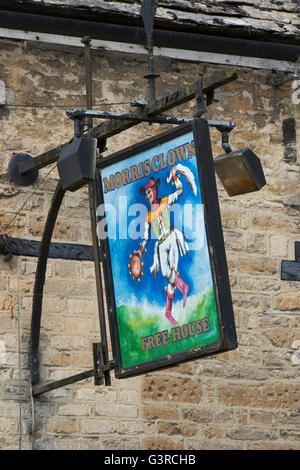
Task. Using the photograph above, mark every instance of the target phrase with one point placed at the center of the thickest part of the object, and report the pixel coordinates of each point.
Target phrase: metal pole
(162, 119)
(148, 9)
(38, 390)
(88, 76)
(98, 275)
(92, 203)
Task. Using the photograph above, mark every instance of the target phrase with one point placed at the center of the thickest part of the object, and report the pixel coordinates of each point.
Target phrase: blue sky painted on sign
(126, 210)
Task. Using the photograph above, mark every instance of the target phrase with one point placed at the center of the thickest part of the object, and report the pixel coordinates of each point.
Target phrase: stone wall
(245, 399)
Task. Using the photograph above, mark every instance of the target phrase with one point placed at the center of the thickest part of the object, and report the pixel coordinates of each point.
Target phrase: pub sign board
(166, 272)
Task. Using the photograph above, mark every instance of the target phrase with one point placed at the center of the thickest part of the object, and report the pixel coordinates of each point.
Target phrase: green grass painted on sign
(134, 324)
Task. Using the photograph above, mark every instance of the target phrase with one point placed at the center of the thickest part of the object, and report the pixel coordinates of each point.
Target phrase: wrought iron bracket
(39, 284)
(10, 246)
(80, 114)
(97, 372)
(44, 249)
(112, 127)
(151, 111)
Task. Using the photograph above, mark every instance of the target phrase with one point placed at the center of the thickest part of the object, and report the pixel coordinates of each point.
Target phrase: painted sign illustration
(165, 299)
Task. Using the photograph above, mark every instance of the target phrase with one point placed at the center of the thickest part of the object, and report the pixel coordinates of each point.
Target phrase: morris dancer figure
(171, 241)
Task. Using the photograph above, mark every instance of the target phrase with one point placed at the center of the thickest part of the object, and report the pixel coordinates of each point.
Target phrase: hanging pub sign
(166, 272)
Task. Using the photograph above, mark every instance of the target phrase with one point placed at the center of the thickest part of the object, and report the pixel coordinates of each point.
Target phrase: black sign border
(216, 248)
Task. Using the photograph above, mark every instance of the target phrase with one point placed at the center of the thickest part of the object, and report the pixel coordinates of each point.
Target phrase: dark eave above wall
(120, 33)
(264, 20)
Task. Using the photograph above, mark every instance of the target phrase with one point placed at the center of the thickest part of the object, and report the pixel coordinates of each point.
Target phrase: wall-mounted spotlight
(239, 171)
(77, 163)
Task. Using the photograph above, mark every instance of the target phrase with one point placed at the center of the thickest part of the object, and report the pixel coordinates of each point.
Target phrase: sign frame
(216, 249)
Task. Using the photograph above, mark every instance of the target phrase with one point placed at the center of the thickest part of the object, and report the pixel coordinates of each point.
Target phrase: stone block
(276, 395)
(116, 411)
(170, 389)
(61, 426)
(98, 426)
(288, 301)
(162, 443)
(151, 412)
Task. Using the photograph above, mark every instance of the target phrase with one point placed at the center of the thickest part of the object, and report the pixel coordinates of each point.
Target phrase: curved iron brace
(40, 281)
(39, 289)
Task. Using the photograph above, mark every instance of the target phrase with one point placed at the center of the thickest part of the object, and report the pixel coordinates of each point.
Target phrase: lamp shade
(240, 172)
(77, 163)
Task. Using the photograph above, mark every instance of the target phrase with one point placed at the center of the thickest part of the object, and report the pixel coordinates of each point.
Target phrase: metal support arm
(10, 246)
(76, 114)
(38, 300)
(40, 281)
(105, 368)
(108, 129)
